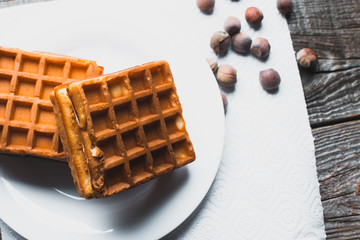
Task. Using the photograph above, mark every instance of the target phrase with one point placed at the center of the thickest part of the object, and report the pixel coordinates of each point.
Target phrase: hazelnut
(206, 5)
(269, 79)
(241, 43)
(213, 64)
(254, 16)
(306, 58)
(284, 6)
(260, 48)
(220, 42)
(225, 101)
(226, 75)
(232, 25)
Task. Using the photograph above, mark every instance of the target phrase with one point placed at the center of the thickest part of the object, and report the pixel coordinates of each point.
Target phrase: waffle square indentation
(25, 87)
(110, 147)
(146, 106)
(133, 142)
(5, 83)
(162, 160)
(159, 75)
(154, 134)
(3, 103)
(46, 88)
(29, 64)
(78, 72)
(21, 111)
(182, 150)
(43, 140)
(94, 94)
(118, 87)
(17, 136)
(117, 178)
(101, 120)
(167, 99)
(139, 81)
(7, 60)
(54, 69)
(175, 126)
(45, 115)
(139, 169)
(124, 113)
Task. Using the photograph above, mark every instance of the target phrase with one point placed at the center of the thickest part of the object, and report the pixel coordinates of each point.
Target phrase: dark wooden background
(332, 92)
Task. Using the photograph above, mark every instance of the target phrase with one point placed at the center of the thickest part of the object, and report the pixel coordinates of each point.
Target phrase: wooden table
(332, 29)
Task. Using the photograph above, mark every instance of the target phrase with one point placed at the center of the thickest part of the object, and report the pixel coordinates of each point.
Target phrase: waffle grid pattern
(136, 121)
(27, 122)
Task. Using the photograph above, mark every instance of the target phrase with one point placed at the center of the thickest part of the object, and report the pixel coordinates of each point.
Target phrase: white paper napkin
(266, 186)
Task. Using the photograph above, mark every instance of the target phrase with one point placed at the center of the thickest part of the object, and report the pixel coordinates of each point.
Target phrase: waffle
(122, 129)
(27, 122)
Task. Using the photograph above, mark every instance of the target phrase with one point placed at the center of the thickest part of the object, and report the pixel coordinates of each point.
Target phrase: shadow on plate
(164, 188)
(34, 171)
(125, 211)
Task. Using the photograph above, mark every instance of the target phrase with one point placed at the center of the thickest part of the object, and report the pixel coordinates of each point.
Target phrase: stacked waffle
(27, 122)
(117, 130)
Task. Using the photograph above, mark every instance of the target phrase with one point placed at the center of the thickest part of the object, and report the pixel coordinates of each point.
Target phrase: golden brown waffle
(122, 129)
(27, 122)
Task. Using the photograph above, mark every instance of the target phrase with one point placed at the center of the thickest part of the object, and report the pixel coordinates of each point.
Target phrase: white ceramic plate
(38, 198)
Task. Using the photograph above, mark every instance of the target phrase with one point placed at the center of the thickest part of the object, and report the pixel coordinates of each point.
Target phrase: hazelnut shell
(213, 63)
(226, 75)
(260, 48)
(269, 79)
(284, 6)
(206, 5)
(232, 25)
(241, 43)
(220, 42)
(254, 16)
(306, 58)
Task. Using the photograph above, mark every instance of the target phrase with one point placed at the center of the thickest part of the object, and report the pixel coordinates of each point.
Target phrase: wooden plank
(332, 96)
(332, 29)
(337, 160)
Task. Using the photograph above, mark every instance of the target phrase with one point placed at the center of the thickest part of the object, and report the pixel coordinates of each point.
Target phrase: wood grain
(332, 29)
(337, 157)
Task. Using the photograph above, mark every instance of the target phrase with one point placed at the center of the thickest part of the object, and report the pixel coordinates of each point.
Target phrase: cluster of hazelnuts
(241, 43)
